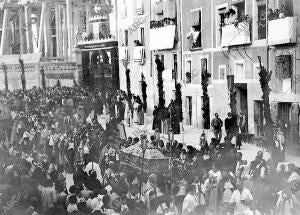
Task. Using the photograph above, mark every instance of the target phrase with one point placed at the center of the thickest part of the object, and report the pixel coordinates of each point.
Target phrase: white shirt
(94, 166)
(294, 176)
(190, 202)
(236, 198)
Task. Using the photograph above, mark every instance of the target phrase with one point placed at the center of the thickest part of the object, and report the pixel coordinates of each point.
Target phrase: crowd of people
(61, 155)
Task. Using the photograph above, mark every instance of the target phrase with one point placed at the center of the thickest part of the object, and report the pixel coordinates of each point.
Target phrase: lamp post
(144, 146)
(171, 139)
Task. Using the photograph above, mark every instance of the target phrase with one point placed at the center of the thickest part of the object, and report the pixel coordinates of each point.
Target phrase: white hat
(108, 188)
(71, 146)
(26, 134)
(86, 150)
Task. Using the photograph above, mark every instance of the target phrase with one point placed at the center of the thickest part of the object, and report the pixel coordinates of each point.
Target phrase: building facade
(148, 29)
(232, 34)
(49, 37)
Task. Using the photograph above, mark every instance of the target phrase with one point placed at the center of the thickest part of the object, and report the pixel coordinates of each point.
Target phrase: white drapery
(162, 38)
(282, 31)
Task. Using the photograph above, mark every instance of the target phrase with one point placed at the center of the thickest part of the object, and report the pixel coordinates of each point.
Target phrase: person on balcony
(192, 37)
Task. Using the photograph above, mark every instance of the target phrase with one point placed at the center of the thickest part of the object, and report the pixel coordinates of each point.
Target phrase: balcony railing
(236, 34)
(123, 53)
(282, 31)
(162, 23)
(139, 54)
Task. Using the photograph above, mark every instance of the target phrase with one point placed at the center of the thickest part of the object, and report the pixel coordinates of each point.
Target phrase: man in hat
(79, 175)
(70, 156)
(217, 125)
(203, 143)
(53, 139)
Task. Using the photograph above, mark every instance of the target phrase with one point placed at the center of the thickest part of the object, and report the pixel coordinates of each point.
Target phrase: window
(239, 7)
(126, 37)
(286, 6)
(261, 19)
(194, 37)
(142, 36)
(188, 72)
(139, 7)
(256, 71)
(239, 71)
(162, 59)
(175, 67)
(284, 71)
(123, 9)
(220, 20)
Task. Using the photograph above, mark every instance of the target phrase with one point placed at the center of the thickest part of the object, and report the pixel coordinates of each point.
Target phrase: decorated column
(48, 32)
(65, 33)
(5, 30)
(87, 16)
(22, 25)
(69, 5)
(58, 25)
(28, 30)
(41, 28)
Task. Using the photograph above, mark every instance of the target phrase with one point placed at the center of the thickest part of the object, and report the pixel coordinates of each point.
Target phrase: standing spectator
(243, 122)
(156, 121)
(241, 200)
(229, 125)
(191, 201)
(166, 121)
(217, 125)
(175, 121)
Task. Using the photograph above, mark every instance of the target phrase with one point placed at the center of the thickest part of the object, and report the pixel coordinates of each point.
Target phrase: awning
(162, 38)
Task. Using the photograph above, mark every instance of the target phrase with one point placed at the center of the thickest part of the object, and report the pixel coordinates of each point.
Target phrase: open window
(239, 8)
(142, 39)
(261, 19)
(284, 72)
(194, 36)
(220, 22)
(188, 73)
(280, 9)
(175, 67)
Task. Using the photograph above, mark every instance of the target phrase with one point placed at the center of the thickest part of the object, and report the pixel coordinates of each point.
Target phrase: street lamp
(171, 139)
(144, 147)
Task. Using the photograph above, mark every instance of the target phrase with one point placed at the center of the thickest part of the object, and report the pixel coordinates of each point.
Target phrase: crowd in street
(61, 134)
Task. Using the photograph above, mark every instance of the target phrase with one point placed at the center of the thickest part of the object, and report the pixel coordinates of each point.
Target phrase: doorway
(258, 118)
(189, 108)
(242, 106)
(284, 115)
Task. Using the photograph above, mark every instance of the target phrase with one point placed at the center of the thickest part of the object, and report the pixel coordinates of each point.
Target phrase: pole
(267, 34)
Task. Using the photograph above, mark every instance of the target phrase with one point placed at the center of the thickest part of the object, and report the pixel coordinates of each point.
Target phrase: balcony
(123, 53)
(282, 31)
(139, 54)
(236, 34)
(162, 34)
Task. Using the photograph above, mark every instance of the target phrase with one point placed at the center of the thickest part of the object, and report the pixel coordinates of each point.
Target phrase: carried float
(148, 160)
